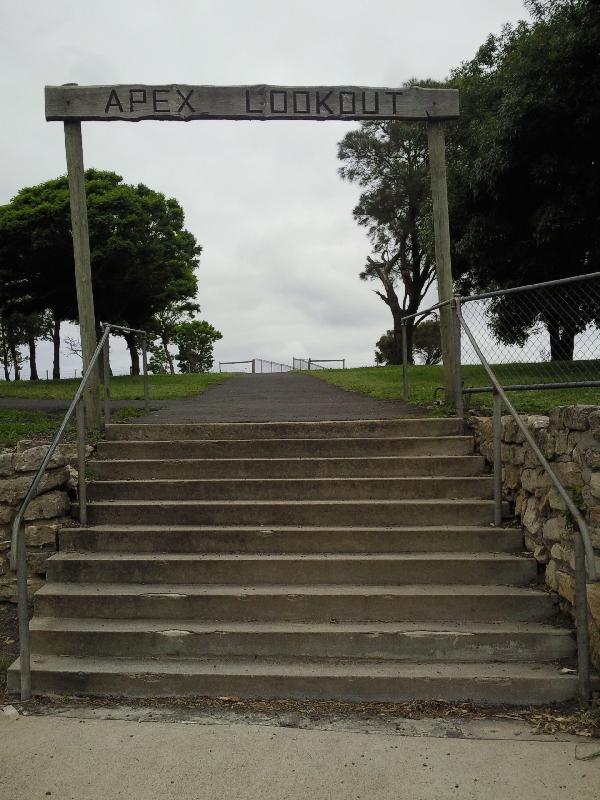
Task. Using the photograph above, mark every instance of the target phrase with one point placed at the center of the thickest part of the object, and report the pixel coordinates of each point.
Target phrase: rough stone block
(551, 579)
(554, 529)
(595, 484)
(531, 518)
(568, 473)
(593, 595)
(36, 561)
(566, 585)
(577, 418)
(13, 490)
(6, 514)
(30, 459)
(555, 500)
(6, 463)
(591, 456)
(594, 421)
(43, 532)
(46, 506)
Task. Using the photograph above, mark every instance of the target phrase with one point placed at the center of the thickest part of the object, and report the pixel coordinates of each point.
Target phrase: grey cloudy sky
(279, 270)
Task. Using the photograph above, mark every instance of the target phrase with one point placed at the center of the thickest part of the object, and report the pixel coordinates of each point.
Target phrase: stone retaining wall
(47, 512)
(570, 439)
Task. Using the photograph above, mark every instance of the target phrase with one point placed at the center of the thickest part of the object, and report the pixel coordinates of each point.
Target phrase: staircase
(325, 560)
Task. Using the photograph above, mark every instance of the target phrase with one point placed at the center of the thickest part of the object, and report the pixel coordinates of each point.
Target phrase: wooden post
(83, 272)
(441, 226)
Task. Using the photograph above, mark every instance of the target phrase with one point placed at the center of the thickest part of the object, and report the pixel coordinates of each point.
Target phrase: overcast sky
(278, 275)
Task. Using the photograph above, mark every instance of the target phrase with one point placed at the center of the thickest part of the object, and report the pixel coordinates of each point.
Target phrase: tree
(143, 259)
(389, 160)
(164, 324)
(195, 342)
(428, 341)
(524, 172)
(427, 344)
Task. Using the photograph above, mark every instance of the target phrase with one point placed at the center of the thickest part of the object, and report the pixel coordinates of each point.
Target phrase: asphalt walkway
(277, 398)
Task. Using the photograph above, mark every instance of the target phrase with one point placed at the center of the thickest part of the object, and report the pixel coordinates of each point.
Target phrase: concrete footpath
(86, 756)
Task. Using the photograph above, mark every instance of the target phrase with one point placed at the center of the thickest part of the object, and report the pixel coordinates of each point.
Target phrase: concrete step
(294, 603)
(321, 568)
(450, 642)
(374, 467)
(287, 448)
(293, 489)
(288, 430)
(245, 539)
(288, 512)
(324, 679)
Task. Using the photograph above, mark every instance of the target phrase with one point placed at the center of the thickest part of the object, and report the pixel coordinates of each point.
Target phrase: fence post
(106, 370)
(343, 363)
(146, 381)
(404, 363)
(441, 229)
(22, 610)
(253, 366)
(583, 646)
(497, 435)
(309, 360)
(81, 487)
(458, 393)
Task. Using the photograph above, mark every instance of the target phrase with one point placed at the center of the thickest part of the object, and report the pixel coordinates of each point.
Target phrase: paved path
(277, 398)
(96, 759)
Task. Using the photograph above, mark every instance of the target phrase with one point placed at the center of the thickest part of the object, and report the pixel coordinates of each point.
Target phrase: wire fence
(318, 363)
(546, 335)
(543, 336)
(255, 366)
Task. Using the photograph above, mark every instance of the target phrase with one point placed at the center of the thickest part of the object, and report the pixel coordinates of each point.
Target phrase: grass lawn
(15, 425)
(41, 426)
(386, 383)
(122, 387)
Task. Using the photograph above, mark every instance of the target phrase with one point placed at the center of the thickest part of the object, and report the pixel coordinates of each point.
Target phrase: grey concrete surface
(85, 758)
(277, 398)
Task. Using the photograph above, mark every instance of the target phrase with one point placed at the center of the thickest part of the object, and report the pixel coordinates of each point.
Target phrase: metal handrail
(517, 289)
(18, 554)
(584, 551)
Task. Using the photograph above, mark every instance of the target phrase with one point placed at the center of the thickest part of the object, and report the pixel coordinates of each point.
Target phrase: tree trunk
(133, 352)
(33, 373)
(562, 341)
(169, 357)
(15, 359)
(56, 350)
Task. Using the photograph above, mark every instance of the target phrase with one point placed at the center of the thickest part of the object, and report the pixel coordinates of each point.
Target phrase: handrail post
(145, 371)
(581, 620)
(497, 436)
(81, 485)
(458, 393)
(106, 371)
(405, 393)
(23, 616)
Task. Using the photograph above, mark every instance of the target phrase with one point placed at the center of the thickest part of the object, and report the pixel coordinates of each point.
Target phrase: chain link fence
(319, 363)
(545, 335)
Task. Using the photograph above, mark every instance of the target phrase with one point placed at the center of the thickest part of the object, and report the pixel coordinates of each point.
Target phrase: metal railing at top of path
(18, 555)
(257, 366)
(316, 363)
(571, 306)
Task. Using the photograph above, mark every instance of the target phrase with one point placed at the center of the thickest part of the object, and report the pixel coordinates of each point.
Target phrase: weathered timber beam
(183, 102)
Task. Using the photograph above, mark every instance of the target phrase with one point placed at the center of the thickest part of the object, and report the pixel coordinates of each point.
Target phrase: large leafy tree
(143, 259)
(195, 341)
(524, 168)
(389, 161)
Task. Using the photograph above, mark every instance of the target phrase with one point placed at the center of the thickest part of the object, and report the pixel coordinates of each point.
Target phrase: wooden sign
(135, 102)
